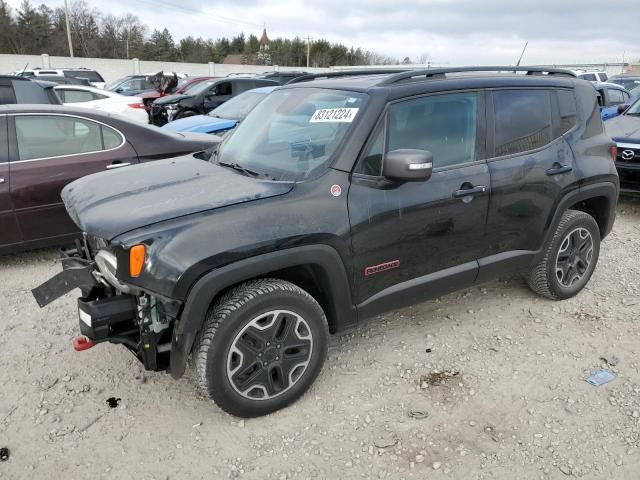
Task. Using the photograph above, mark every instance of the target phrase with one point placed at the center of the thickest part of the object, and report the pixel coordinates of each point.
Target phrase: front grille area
(627, 154)
(158, 115)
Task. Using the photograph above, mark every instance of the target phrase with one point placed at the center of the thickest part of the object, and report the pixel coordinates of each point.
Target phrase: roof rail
(345, 73)
(441, 72)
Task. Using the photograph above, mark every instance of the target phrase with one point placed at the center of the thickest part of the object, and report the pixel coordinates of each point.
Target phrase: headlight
(172, 106)
(108, 266)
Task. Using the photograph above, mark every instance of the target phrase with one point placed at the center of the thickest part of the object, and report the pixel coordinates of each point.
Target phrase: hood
(110, 203)
(624, 128)
(167, 99)
(200, 123)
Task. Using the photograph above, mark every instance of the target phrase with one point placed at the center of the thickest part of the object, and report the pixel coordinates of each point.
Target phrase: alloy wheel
(269, 355)
(574, 257)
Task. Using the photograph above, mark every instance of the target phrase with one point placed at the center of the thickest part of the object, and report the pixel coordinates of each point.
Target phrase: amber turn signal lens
(137, 256)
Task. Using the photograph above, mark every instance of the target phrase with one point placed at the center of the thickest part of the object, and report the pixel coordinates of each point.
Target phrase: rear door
(9, 231)
(531, 164)
(49, 151)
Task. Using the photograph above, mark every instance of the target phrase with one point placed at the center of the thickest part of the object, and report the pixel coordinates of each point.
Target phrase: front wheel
(570, 257)
(262, 346)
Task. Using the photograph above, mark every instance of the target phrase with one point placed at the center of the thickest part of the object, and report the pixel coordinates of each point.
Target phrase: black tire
(552, 276)
(239, 320)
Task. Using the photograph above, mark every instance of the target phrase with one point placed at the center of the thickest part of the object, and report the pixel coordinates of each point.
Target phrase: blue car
(223, 118)
(610, 97)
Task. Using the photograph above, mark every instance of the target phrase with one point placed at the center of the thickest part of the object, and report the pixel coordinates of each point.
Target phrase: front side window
(616, 97)
(522, 120)
(43, 136)
(305, 127)
(445, 125)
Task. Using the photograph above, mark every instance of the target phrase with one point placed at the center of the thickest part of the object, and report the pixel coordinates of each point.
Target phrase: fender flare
(208, 287)
(601, 189)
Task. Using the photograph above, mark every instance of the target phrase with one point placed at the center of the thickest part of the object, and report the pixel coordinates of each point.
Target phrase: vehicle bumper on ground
(137, 320)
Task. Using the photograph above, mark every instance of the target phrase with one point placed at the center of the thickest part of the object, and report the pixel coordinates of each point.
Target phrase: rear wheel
(570, 258)
(262, 346)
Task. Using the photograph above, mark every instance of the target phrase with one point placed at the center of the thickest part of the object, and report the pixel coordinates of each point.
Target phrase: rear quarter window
(29, 92)
(566, 111)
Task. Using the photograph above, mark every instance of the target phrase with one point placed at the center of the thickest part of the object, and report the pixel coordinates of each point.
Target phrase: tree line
(32, 30)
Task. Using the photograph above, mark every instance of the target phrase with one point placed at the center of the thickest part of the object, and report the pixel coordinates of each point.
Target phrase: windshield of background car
(198, 88)
(116, 84)
(293, 133)
(238, 107)
(634, 109)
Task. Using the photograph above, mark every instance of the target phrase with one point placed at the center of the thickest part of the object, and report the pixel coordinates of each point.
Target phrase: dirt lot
(500, 394)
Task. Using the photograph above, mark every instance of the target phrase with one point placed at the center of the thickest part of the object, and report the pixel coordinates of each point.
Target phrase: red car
(149, 97)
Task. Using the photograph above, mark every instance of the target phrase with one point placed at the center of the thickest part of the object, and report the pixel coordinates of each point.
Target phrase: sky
(451, 32)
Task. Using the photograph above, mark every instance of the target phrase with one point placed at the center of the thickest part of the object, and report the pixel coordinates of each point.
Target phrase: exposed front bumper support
(74, 275)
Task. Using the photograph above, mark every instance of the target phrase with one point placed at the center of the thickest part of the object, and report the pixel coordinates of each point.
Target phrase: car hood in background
(624, 128)
(110, 203)
(200, 123)
(167, 99)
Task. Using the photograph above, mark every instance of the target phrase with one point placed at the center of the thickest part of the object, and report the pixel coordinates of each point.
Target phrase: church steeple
(264, 40)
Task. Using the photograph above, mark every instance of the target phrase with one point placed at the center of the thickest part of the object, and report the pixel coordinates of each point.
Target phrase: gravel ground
(487, 383)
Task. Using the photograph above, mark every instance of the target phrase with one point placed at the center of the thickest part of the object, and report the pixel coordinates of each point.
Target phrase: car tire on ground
(263, 344)
(569, 259)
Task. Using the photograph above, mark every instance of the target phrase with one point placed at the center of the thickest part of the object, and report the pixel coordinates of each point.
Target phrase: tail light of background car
(136, 105)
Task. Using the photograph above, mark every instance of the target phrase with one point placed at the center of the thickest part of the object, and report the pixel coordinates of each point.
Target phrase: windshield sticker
(344, 115)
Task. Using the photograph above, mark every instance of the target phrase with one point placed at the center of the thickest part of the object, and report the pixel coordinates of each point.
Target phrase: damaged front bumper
(139, 321)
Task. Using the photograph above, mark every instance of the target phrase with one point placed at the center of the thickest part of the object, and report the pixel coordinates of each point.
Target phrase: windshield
(293, 132)
(634, 109)
(238, 107)
(197, 88)
(628, 83)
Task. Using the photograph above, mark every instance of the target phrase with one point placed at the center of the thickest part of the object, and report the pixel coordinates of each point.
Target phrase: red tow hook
(82, 343)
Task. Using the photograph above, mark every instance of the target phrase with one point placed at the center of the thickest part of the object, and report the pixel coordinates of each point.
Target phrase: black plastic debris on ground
(113, 402)
(4, 454)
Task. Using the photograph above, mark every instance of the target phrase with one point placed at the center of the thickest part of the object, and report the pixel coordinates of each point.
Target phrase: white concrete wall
(112, 69)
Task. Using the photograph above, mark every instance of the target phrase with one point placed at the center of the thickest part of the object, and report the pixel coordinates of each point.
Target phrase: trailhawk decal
(381, 267)
(343, 115)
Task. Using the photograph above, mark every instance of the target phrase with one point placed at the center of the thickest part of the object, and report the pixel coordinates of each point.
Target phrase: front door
(49, 151)
(9, 231)
(423, 238)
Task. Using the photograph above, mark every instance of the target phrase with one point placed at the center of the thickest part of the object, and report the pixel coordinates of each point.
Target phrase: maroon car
(44, 147)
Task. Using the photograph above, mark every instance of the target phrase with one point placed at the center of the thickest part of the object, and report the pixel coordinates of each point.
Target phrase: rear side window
(566, 110)
(77, 96)
(44, 136)
(223, 89)
(29, 92)
(522, 120)
(591, 77)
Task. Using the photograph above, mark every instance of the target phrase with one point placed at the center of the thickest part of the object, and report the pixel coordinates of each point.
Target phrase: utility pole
(308, 39)
(66, 17)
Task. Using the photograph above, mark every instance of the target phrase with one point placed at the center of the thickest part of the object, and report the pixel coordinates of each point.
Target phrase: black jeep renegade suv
(337, 198)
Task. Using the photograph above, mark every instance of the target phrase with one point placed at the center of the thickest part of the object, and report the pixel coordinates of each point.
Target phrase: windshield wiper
(240, 168)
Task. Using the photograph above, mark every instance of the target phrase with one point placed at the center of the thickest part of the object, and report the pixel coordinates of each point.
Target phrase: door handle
(558, 169)
(465, 192)
(1, 181)
(118, 165)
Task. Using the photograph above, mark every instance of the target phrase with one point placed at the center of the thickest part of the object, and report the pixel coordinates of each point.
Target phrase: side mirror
(621, 108)
(408, 165)
(119, 90)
